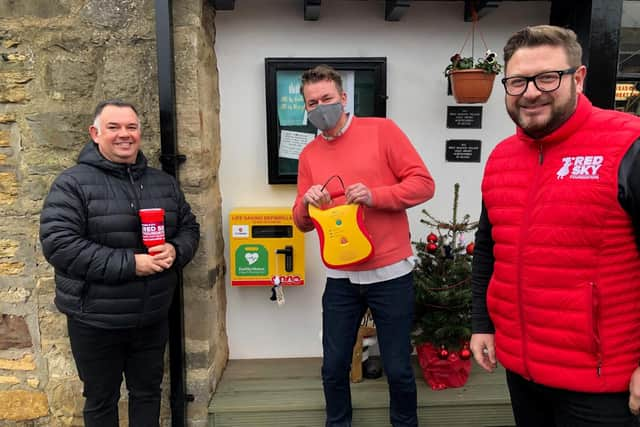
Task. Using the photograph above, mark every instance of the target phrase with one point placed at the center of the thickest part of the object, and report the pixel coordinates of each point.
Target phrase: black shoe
(372, 368)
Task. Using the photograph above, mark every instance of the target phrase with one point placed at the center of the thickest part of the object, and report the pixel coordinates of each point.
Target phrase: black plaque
(463, 150)
(464, 117)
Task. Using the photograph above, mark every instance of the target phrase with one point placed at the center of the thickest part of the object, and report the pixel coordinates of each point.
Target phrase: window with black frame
(628, 79)
(288, 130)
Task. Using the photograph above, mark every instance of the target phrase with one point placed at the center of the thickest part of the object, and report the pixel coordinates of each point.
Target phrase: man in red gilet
(556, 269)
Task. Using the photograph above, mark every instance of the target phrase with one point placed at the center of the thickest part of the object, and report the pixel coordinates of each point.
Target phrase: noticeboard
(288, 131)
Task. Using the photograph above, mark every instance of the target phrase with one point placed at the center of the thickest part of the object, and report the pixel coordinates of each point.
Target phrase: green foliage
(488, 63)
(443, 282)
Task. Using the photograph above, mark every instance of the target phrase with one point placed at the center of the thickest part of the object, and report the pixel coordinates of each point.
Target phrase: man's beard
(537, 128)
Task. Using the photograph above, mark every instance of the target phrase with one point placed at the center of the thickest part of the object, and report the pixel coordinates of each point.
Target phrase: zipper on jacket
(595, 308)
(540, 155)
(523, 236)
(136, 196)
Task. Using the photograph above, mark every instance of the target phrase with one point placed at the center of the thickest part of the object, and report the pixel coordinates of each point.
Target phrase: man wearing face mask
(381, 171)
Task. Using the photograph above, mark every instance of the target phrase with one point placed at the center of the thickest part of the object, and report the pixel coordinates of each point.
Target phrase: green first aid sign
(252, 260)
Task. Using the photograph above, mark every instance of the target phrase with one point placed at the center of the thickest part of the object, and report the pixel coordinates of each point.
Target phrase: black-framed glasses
(547, 81)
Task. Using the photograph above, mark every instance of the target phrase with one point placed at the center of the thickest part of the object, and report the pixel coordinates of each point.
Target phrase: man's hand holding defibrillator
(357, 193)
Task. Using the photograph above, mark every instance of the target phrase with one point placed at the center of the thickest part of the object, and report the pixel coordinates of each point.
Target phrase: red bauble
(432, 247)
(443, 353)
(465, 353)
(470, 248)
(432, 238)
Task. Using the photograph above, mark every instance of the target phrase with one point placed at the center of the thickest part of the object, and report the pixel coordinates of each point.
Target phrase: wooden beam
(597, 25)
(604, 45)
(311, 10)
(481, 7)
(223, 4)
(394, 10)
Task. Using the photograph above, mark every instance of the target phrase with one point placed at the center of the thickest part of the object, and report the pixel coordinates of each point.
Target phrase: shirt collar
(341, 131)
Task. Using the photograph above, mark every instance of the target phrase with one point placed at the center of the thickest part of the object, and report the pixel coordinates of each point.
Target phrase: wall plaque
(464, 117)
(463, 150)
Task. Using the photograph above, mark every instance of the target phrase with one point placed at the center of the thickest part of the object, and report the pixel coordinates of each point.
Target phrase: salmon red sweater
(375, 152)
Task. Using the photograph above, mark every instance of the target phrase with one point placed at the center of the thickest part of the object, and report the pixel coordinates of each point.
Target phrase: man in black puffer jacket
(115, 295)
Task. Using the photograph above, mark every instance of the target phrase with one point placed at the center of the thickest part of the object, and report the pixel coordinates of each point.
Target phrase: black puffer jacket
(90, 231)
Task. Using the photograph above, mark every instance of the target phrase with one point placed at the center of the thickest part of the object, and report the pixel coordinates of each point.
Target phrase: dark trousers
(102, 356)
(343, 305)
(535, 405)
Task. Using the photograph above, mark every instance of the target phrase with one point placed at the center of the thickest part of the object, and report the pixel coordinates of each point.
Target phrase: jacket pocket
(595, 329)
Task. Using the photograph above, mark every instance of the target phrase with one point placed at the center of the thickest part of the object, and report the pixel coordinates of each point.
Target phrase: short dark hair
(321, 73)
(545, 35)
(115, 103)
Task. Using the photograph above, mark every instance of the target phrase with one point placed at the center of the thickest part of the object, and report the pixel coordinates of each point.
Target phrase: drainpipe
(170, 159)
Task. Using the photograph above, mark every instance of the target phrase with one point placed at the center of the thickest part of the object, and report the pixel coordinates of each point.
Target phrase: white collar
(341, 131)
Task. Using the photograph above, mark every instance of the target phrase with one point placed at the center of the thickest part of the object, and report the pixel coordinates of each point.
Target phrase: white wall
(417, 49)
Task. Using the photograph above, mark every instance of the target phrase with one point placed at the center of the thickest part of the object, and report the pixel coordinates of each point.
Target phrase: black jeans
(535, 405)
(102, 356)
(392, 304)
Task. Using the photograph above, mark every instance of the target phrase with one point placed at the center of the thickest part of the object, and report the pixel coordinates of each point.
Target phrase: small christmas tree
(443, 284)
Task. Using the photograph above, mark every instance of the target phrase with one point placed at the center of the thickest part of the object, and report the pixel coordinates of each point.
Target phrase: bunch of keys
(277, 293)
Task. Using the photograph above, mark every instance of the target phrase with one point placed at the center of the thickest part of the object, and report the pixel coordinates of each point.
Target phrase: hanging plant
(472, 79)
(488, 64)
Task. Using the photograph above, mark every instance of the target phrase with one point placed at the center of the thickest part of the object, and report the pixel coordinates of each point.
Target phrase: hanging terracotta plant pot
(471, 86)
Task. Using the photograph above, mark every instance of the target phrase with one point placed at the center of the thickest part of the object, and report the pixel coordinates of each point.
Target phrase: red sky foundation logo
(580, 167)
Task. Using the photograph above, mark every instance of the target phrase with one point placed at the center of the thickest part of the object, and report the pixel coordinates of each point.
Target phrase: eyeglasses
(544, 82)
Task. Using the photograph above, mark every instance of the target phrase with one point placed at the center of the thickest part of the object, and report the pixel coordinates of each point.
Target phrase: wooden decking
(288, 392)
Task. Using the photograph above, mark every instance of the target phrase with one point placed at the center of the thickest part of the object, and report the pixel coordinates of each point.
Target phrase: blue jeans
(343, 305)
(537, 405)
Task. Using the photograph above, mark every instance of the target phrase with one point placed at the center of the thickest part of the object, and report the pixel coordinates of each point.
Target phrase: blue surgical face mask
(325, 116)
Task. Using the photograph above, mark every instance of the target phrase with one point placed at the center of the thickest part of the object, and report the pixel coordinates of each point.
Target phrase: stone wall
(198, 110)
(58, 58)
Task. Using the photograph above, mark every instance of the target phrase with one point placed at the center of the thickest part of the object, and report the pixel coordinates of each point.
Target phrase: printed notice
(292, 143)
(349, 86)
(291, 110)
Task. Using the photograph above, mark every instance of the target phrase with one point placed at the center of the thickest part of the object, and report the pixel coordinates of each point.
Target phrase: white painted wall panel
(417, 49)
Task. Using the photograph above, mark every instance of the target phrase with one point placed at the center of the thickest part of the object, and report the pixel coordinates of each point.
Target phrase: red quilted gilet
(565, 292)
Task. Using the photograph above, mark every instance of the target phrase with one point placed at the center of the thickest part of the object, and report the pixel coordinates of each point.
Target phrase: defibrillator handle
(288, 257)
(329, 180)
